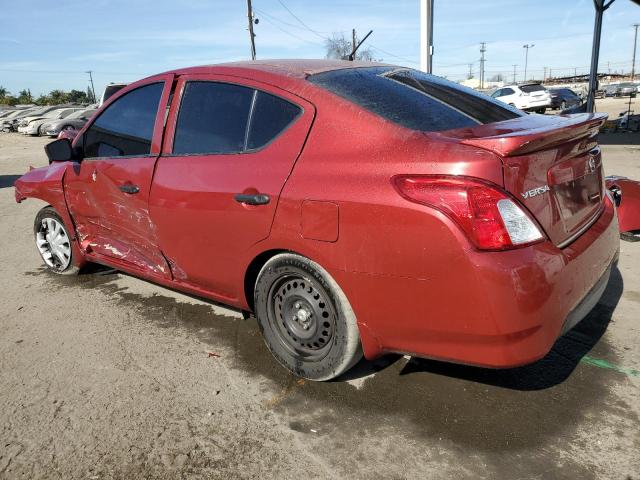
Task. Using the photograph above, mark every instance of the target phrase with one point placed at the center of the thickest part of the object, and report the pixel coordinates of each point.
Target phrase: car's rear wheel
(563, 105)
(305, 318)
(54, 242)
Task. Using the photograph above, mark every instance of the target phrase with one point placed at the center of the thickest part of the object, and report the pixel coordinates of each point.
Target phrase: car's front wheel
(305, 318)
(54, 242)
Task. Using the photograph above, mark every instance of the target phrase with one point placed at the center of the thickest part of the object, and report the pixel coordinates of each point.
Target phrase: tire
(305, 318)
(633, 236)
(57, 255)
(541, 111)
(563, 105)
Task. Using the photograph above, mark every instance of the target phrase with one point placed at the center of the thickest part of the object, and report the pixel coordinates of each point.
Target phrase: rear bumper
(535, 104)
(492, 309)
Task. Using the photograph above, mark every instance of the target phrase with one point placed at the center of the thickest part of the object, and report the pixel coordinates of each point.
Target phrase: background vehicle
(33, 127)
(9, 122)
(75, 121)
(626, 193)
(355, 208)
(626, 89)
(40, 112)
(562, 98)
(526, 96)
(109, 90)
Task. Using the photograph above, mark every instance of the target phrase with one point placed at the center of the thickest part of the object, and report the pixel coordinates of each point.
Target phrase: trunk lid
(552, 165)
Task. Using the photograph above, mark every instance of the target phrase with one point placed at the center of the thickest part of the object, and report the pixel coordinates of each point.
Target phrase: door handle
(129, 188)
(252, 199)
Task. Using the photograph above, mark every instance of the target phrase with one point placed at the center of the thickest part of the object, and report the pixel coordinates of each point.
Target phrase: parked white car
(33, 125)
(525, 96)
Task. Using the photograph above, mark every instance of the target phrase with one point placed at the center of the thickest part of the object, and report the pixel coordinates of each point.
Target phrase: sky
(48, 45)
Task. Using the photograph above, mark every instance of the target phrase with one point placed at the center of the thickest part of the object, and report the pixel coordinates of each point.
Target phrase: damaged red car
(355, 208)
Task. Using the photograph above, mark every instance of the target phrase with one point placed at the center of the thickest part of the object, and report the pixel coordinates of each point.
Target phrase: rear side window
(126, 126)
(213, 118)
(414, 99)
(271, 115)
(507, 91)
(532, 88)
(222, 118)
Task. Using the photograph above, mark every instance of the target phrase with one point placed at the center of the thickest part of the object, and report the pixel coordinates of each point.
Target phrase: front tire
(305, 318)
(54, 242)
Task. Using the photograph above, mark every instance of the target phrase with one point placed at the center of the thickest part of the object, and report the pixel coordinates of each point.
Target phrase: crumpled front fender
(46, 184)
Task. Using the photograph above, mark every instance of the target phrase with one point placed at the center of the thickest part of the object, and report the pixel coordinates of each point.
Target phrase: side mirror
(59, 150)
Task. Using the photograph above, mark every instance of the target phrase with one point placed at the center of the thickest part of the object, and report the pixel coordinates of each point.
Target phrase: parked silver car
(9, 123)
(31, 126)
(75, 121)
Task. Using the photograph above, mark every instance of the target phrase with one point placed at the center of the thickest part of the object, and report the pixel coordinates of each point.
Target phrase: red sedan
(353, 207)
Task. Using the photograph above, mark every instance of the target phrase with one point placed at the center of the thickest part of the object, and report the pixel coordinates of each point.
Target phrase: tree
(77, 96)
(3, 92)
(25, 96)
(339, 47)
(42, 100)
(56, 97)
(497, 78)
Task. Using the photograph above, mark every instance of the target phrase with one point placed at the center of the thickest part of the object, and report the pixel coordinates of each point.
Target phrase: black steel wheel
(305, 318)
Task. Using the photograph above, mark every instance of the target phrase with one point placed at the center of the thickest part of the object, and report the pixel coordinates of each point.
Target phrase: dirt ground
(107, 376)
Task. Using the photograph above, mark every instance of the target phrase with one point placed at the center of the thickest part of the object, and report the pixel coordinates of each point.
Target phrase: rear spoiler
(529, 133)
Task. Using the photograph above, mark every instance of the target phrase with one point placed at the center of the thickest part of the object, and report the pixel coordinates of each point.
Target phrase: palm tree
(3, 92)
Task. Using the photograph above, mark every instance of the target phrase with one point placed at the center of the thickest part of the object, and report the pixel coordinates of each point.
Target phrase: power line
(371, 45)
(293, 35)
(300, 21)
(289, 24)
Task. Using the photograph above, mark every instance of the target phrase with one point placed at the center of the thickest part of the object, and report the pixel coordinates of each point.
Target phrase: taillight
(490, 218)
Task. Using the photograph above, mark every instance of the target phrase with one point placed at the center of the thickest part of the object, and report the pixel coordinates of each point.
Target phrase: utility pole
(514, 73)
(252, 36)
(575, 71)
(600, 7)
(93, 90)
(550, 75)
(633, 62)
(526, 58)
(353, 39)
(483, 49)
(426, 36)
(470, 71)
(609, 67)
(544, 75)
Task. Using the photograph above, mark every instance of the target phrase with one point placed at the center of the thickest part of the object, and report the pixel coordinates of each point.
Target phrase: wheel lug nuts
(297, 305)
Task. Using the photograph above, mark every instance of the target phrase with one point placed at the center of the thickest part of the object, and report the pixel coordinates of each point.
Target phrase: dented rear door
(108, 191)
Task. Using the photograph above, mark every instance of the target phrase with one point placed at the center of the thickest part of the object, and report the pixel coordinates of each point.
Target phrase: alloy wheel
(53, 243)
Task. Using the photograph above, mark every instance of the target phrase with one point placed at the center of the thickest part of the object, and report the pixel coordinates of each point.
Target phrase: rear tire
(53, 242)
(305, 318)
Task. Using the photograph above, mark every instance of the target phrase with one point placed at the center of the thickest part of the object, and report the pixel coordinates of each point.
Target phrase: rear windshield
(414, 99)
(532, 88)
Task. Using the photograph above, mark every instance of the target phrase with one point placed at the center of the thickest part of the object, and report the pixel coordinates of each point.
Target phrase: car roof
(283, 67)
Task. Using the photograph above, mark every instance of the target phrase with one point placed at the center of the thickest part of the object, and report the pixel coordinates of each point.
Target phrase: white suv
(526, 96)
